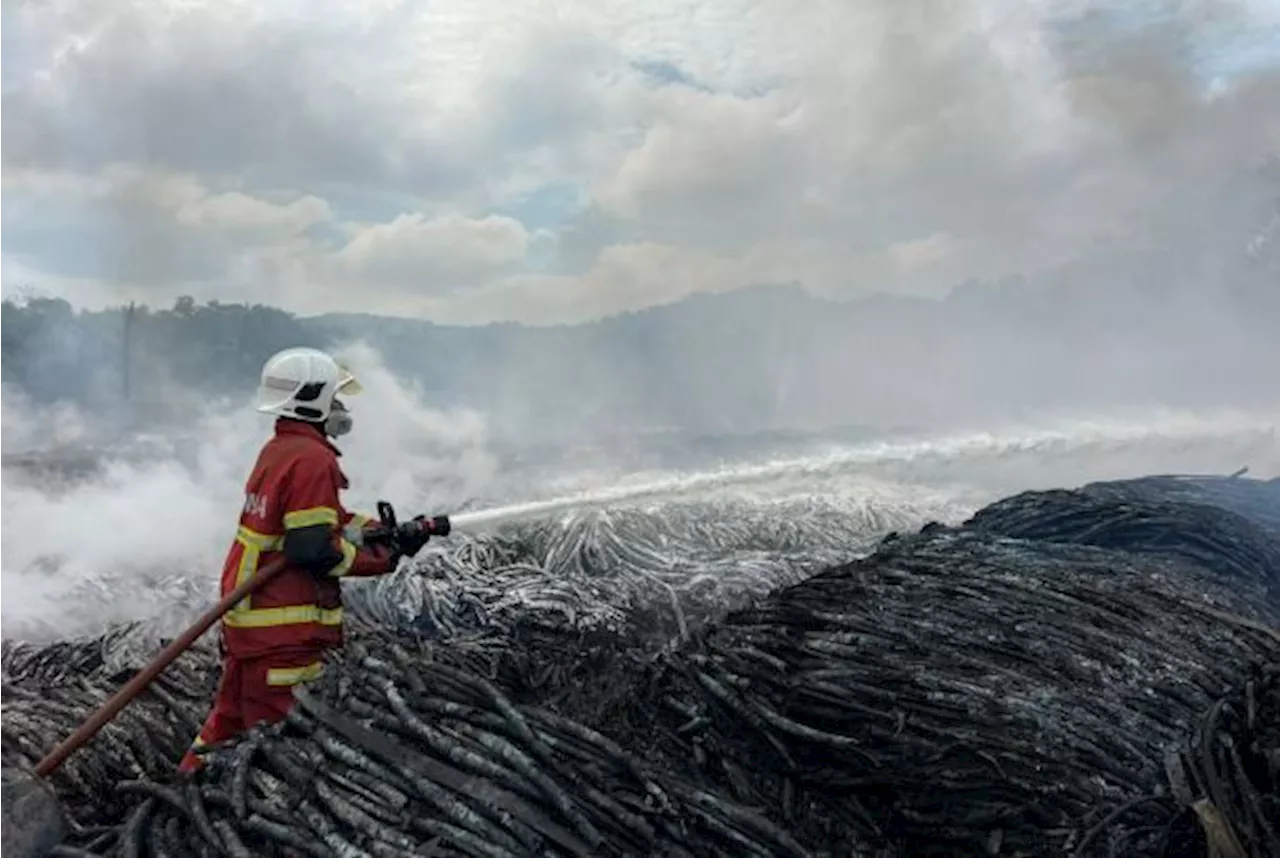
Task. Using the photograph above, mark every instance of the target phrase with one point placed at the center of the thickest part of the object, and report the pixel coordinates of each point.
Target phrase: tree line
(56, 352)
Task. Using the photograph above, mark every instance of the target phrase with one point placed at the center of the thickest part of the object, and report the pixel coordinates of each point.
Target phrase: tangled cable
(1010, 686)
(400, 752)
(957, 693)
(661, 568)
(1223, 786)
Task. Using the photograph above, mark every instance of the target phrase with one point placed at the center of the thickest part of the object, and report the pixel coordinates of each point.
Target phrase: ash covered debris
(1230, 768)
(1256, 500)
(48, 690)
(398, 752)
(1012, 686)
(959, 693)
(1230, 526)
(656, 571)
(1223, 786)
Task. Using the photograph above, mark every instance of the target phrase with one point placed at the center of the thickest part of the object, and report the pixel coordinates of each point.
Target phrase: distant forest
(55, 352)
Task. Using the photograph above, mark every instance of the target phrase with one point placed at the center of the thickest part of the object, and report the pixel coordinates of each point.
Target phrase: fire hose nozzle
(437, 525)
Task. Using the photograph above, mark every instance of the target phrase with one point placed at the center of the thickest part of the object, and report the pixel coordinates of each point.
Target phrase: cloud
(415, 248)
(398, 156)
(152, 516)
(221, 244)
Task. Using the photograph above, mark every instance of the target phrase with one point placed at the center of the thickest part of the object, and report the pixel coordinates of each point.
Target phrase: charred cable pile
(553, 611)
(50, 690)
(398, 753)
(571, 606)
(659, 569)
(1256, 500)
(958, 692)
(1229, 769)
(1223, 786)
(1124, 518)
(590, 676)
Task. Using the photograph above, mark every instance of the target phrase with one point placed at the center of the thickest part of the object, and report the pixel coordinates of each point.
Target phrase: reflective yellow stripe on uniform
(348, 558)
(245, 616)
(260, 541)
(260, 618)
(253, 544)
(310, 517)
(293, 675)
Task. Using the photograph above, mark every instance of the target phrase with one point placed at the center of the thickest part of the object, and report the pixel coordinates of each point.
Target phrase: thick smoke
(91, 531)
(139, 532)
(1093, 186)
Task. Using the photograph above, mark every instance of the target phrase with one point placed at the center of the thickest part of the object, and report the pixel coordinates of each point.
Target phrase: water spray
(868, 454)
(675, 487)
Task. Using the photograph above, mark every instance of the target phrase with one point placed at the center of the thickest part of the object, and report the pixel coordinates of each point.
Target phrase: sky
(552, 162)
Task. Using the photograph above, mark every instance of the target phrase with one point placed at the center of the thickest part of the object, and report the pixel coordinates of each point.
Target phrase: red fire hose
(438, 525)
(143, 678)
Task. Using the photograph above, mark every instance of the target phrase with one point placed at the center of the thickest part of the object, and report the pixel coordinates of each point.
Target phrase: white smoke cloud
(143, 532)
(113, 542)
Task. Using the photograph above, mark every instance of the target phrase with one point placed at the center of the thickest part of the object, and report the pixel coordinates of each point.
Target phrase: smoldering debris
(1016, 685)
(1223, 786)
(655, 571)
(398, 752)
(49, 690)
(1234, 532)
(1231, 768)
(960, 693)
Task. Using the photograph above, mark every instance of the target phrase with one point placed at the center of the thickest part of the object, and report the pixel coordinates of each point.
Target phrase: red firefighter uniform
(276, 637)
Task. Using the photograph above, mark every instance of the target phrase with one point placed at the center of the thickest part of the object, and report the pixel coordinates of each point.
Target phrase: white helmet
(303, 383)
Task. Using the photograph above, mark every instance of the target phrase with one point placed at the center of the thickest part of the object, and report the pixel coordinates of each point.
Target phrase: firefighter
(275, 639)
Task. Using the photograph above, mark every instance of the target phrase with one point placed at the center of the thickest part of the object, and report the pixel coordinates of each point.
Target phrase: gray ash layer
(1094, 670)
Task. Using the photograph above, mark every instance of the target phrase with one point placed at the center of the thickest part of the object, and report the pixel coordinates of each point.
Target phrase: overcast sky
(468, 161)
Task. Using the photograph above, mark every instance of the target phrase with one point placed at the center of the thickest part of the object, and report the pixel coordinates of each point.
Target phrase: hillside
(1125, 329)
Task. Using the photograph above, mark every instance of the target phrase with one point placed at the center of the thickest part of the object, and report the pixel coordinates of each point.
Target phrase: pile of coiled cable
(663, 569)
(1256, 500)
(1158, 516)
(1230, 768)
(962, 692)
(49, 690)
(399, 752)
(958, 691)
(1222, 795)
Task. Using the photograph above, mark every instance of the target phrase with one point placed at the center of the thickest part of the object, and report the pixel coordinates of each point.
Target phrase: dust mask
(339, 420)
